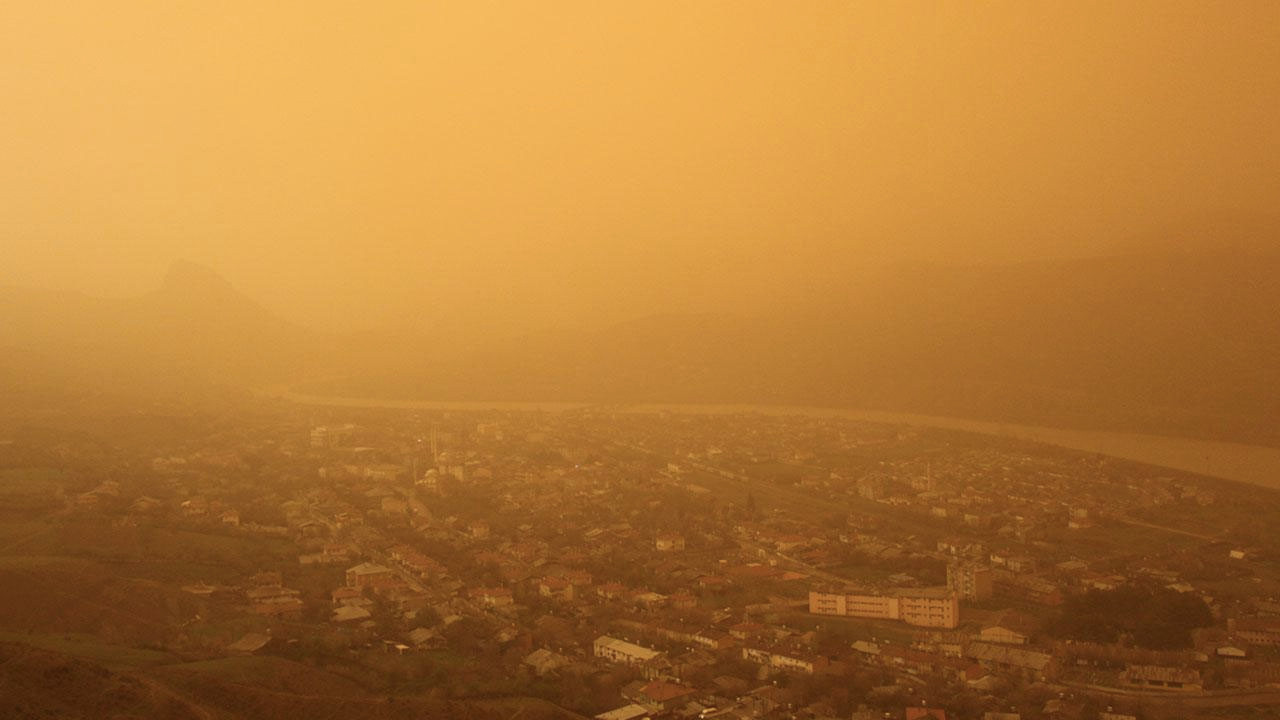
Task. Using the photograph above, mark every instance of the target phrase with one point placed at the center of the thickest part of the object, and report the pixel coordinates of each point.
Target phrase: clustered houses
(655, 550)
(1260, 631)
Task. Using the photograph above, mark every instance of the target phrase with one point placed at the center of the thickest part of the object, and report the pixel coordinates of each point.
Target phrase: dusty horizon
(733, 359)
(584, 162)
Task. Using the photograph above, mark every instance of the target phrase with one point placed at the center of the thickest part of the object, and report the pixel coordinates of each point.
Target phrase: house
(612, 591)
(669, 542)
(578, 578)
(396, 647)
(748, 630)
(659, 695)
(1028, 587)
(274, 601)
(366, 574)
(712, 639)
(350, 613)
(347, 595)
(623, 652)
(714, 583)
(1255, 630)
(787, 543)
(270, 593)
(1158, 677)
(786, 660)
(1001, 634)
(626, 712)
(1005, 658)
(866, 648)
(729, 685)
(650, 599)
(1020, 563)
(200, 588)
(1072, 567)
(544, 662)
(492, 597)
(557, 588)
(421, 566)
(266, 577)
(426, 638)
(683, 601)
(1099, 581)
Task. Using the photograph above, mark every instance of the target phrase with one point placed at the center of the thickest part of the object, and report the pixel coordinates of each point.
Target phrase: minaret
(435, 447)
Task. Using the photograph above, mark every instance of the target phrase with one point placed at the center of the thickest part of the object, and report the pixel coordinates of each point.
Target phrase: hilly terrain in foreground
(37, 682)
(97, 619)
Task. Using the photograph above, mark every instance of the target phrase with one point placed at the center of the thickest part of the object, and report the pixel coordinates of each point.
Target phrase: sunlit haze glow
(353, 165)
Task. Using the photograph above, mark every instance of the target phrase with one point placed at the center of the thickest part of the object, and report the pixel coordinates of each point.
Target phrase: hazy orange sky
(357, 163)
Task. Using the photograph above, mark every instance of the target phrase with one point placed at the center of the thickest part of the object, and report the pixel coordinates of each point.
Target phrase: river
(1252, 464)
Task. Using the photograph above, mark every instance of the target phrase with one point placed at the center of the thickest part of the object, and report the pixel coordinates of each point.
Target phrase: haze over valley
(1179, 343)
(576, 359)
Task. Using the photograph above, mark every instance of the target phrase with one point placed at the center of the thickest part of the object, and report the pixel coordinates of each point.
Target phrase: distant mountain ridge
(193, 332)
(1182, 343)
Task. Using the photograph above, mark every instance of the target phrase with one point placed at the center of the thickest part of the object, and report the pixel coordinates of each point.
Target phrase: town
(625, 565)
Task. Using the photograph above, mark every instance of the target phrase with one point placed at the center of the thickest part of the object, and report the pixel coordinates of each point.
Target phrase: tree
(1152, 617)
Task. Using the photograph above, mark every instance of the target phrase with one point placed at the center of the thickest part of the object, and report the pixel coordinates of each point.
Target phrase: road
(1164, 528)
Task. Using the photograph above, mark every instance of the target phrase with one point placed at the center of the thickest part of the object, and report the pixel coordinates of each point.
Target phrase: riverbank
(1253, 464)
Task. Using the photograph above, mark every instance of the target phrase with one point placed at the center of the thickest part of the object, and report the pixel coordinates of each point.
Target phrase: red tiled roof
(660, 691)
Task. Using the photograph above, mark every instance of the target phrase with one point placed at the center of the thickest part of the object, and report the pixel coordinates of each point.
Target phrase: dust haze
(515, 164)
(725, 360)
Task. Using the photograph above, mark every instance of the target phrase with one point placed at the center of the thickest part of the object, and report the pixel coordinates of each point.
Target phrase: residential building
(970, 581)
(788, 660)
(669, 542)
(1158, 677)
(623, 652)
(366, 574)
(923, 607)
(929, 607)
